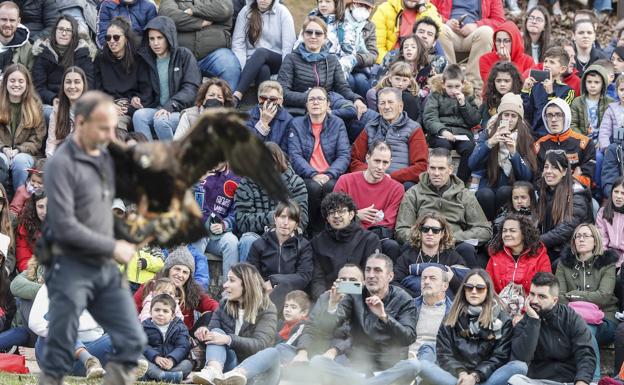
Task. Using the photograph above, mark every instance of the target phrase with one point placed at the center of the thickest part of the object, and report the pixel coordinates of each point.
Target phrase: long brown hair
(544, 40)
(67, 59)
(447, 241)
(460, 303)
(422, 58)
(280, 159)
(254, 22)
(609, 209)
(29, 219)
(562, 200)
(63, 120)
(31, 107)
(524, 144)
(254, 298)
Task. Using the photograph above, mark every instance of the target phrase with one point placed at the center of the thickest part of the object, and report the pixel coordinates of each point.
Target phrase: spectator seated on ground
(34, 184)
(137, 13)
(29, 228)
(269, 120)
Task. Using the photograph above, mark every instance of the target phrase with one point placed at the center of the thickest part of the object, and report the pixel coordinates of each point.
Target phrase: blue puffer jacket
(176, 344)
(478, 164)
(279, 127)
(334, 143)
(138, 14)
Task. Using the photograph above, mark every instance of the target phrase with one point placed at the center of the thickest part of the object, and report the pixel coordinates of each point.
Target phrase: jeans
(18, 336)
(76, 13)
(244, 245)
(75, 286)
(259, 67)
(18, 167)
(602, 334)
(492, 199)
(603, 6)
(464, 149)
(101, 349)
(316, 193)
(433, 374)
(225, 246)
(359, 83)
(427, 352)
(519, 379)
(221, 63)
(143, 120)
(404, 372)
(154, 372)
(222, 354)
(264, 366)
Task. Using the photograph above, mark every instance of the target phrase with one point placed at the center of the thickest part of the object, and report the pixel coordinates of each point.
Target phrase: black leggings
(492, 199)
(259, 67)
(316, 193)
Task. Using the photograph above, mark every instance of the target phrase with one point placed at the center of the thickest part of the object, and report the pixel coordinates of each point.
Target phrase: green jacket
(580, 120)
(456, 203)
(592, 281)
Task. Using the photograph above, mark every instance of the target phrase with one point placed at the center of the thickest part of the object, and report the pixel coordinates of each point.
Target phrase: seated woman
(282, 256)
(516, 254)
(503, 79)
(610, 221)
(269, 120)
(431, 243)
(7, 301)
(563, 205)
(508, 47)
(536, 32)
(29, 225)
(503, 155)
(22, 125)
(474, 342)
(319, 151)
(264, 34)
(116, 68)
(62, 117)
(245, 324)
(399, 76)
(586, 272)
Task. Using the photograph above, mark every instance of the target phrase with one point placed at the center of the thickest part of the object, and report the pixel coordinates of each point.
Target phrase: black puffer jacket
(289, 264)
(557, 346)
(457, 353)
(335, 248)
(112, 77)
(31, 14)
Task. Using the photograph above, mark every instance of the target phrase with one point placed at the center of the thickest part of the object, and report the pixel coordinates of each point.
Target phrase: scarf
(351, 41)
(494, 329)
(504, 162)
(286, 329)
(312, 57)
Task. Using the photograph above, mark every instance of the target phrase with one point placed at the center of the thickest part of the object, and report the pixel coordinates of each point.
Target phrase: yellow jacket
(387, 18)
(155, 263)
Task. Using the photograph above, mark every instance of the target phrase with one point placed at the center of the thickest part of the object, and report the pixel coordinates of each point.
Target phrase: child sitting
(399, 76)
(34, 183)
(168, 343)
(157, 287)
(588, 108)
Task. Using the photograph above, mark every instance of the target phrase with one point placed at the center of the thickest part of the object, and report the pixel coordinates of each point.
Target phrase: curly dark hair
(228, 99)
(336, 200)
(492, 96)
(530, 234)
(192, 291)
(29, 219)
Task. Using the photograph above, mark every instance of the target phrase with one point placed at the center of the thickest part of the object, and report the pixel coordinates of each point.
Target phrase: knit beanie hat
(511, 102)
(181, 256)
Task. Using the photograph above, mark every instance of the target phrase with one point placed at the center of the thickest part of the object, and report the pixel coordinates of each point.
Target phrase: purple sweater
(215, 194)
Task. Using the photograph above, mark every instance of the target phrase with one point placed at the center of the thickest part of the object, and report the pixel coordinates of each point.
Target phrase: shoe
(207, 376)
(532, 4)
(47, 379)
(141, 368)
(512, 5)
(172, 377)
(232, 378)
(119, 374)
(94, 368)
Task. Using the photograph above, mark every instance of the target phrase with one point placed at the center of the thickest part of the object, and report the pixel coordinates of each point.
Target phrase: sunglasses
(313, 32)
(470, 287)
(272, 99)
(426, 229)
(113, 37)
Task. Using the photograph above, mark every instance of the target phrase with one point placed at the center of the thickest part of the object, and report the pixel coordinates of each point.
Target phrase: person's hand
(331, 354)
(334, 297)
(461, 98)
(217, 339)
(448, 135)
(302, 356)
(216, 228)
(121, 111)
(267, 113)
(162, 113)
(162, 362)
(467, 29)
(510, 143)
(55, 102)
(268, 286)
(376, 306)
(320, 179)
(206, 23)
(136, 102)
(529, 82)
(466, 379)
(123, 251)
(548, 86)
(188, 11)
(453, 24)
(360, 108)
(202, 333)
(577, 171)
(528, 310)
(504, 54)
(367, 214)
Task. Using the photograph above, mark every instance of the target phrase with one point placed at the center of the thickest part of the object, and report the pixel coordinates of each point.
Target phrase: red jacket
(520, 60)
(23, 249)
(503, 268)
(19, 200)
(492, 13)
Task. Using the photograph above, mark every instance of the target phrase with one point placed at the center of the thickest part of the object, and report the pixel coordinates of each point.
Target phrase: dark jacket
(279, 127)
(201, 41)
(334, 144)
(175, 345)
(557, 346)
(31, 13)
(317, 341)
(48, 73)
(595, 54)
(536, 99)
(289, 264)
(457, 353)
(612, 167)
(26, 139)
(112, 77)
(252, 337)
(376, 345)
(297, 76)
(255, 209)
(580, 121)
(184, 76)
(335, 248)
(138, 14)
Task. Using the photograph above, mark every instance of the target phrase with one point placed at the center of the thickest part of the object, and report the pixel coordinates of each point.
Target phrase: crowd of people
(456, 183)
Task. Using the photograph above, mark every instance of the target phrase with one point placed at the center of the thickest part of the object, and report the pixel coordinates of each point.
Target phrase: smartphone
(540, 76)
(348, 287)
(503, 125)
(461, 20)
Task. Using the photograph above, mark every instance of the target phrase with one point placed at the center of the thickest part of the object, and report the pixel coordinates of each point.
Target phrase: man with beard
(552, 339)
(14, 45)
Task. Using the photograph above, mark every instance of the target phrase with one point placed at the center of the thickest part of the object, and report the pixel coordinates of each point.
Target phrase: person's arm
(299, 193)
(562, 232)
(603, 295)
(340, 82)
(37, 322)
(587, 163)
(584, 354)
(610, 168)
(103, 22)
(51, 141)
(86, 64)
(255, 254)
(215, 11)
(343, 152)
(470, 112)
(407, 216)
(358, 153)
(609, 121)
(575, 117)
(263, 334)
(303, 269)
(32, 144)
(431, 115)
(525, 338)
(481, 153)
(22, 287)
(418, 153)
(40, 80)
(23, 249)
(601, 224)
(289, 36)
(248, 217)
(207, 304)
(183, 21)
(563, 283)
(369, 57)
(182, 345)
(185, 95)
(286, 78)
(393, 202)
(445, 354)
(381, 31)
(477, 226)
(495, 16)
(521, 169)
(239, 38)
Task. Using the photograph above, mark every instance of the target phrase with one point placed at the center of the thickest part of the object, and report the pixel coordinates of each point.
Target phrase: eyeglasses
(470, 287)
(272, 99)
(503, 41)
(64, 30)
(426, 229)
(583, 236)
(535, 19)
(319, 99)
(338, 212)
(556, 116)
(556, 151)
(313, 32)
(113, 37)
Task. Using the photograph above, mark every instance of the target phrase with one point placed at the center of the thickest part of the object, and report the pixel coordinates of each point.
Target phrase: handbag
(13, 363)
(512, 296)
(590, 312)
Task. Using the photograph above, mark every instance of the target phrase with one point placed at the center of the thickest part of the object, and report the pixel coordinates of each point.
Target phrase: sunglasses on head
(113, 37)
(470, 287)
(426, 229)
(313, 32)
(272, 99)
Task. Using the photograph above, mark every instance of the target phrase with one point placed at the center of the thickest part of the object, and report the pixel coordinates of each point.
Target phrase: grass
(21, 379)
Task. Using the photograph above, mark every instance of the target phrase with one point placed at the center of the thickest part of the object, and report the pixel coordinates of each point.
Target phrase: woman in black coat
(474, 342)
(282, 256)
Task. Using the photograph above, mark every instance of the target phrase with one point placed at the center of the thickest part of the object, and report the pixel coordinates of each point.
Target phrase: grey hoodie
(566, 114)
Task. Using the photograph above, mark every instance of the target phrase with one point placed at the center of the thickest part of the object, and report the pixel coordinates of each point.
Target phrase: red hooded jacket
(492, 13)
(521, 60)
(503, 268)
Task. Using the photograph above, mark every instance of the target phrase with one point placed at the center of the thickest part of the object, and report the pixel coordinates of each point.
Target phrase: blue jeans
(154, 372)
(404, 372)
(143, 121)
(226, 246)
(602, 334)
(18, 336)
(603, 6)
(244, 245)
(18, 167)
(359, 83)
(263, 367)
(221, 63)
(433, 374)
(100, 348)
(427, 352)
(222, 354)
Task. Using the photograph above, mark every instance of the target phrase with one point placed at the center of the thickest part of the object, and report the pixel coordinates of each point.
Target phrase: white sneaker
(207, 376)
(141, 368)
(232, 378)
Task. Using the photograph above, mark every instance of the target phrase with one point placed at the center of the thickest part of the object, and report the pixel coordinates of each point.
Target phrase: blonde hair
(31, 108)
(254, 298)
(401, 69)
(598, 247)
(270, 85)
(161, 284)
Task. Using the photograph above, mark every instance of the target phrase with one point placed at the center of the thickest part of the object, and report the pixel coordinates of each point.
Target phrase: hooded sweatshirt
(18, 50)
(580, 150)
(582, 119)
(521, 60)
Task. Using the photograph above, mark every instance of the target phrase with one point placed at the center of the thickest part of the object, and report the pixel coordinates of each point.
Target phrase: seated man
(404, 136)
(428, 31)
(15, 47)
(376, 195)
(439, 190)
(383, 325)
(552, 339)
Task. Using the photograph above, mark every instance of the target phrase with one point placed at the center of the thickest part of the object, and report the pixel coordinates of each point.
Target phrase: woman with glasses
(431, 243)
(269, 120)
(474, 342)
(319, 151)
(536, 33)
(586, 272)
(116, 68)
(63, 49)
(508, 47)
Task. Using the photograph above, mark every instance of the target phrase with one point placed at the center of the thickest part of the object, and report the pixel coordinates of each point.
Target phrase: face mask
(360, 13)
(212, 103)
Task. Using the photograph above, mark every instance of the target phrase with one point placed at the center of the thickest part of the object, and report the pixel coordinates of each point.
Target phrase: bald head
(433, 284)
